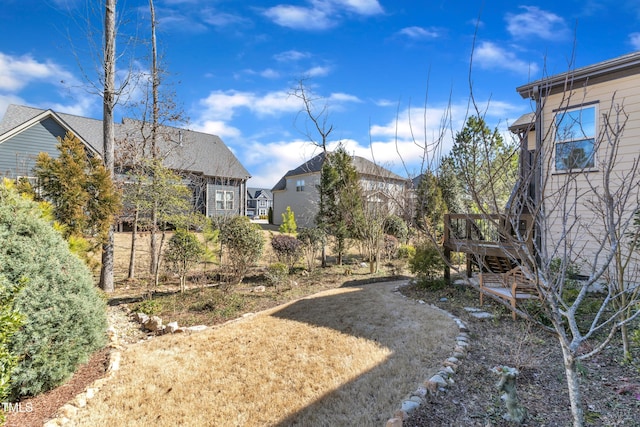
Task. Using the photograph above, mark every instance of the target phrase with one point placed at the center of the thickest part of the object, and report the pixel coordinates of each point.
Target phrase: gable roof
(254, 193)
(363, 166)
(19, 117)
(602, 71)
(189, 150)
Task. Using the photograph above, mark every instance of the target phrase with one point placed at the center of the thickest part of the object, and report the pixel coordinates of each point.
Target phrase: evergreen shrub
(427, 263)
(64, 314)
(243, 243)
(277, 274)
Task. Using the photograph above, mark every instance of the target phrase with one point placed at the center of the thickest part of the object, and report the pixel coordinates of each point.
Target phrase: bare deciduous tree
(319, 120)
(108, 103)
(569, 224)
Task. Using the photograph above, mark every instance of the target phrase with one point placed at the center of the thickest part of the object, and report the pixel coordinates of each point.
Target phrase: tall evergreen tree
(450, 185)
(486, 164)
(430, 206)
(342, 199)
(79, 186)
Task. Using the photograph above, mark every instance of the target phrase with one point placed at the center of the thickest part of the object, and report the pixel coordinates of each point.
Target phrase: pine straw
(341, 357)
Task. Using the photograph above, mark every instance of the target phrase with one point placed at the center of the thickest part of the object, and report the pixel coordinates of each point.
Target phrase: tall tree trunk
(155, 253)
(106, 271)
(573, 384)
(132, 253)
(153, 265)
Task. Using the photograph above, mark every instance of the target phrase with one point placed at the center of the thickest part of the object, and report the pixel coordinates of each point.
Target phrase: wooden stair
(497, 264)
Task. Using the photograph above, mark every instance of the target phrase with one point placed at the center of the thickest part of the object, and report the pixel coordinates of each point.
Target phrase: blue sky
(388, 72)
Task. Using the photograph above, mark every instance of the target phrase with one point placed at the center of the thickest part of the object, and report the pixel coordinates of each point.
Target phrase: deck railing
(482, 235)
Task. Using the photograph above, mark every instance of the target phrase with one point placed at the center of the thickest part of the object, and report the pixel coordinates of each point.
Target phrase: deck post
(446, 249)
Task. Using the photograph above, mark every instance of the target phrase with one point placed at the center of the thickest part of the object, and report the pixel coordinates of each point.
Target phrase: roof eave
(599, 70)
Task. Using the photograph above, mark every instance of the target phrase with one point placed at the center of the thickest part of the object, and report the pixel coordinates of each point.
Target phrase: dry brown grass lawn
(341, 357)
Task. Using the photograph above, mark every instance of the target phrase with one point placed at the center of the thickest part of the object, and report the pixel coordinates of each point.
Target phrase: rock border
(70, 409)
(438, 382)
(435, 384)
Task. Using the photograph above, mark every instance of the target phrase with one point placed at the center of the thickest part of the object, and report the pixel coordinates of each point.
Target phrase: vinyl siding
(616, 95)
(213, 187)
(18, 154)
(304, 204)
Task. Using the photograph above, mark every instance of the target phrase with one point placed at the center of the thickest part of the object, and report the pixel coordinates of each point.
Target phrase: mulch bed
(35, 411)
(610, 389)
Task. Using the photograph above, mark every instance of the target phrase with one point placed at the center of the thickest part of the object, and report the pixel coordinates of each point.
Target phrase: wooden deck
(490, 242)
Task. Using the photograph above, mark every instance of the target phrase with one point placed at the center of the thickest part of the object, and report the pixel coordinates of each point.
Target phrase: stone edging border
(69, 410)
(438, 382)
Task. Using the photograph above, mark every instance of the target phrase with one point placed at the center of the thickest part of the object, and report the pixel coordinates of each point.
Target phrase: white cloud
(283, 156)
(291, 55)
(320, 14)
(223, 105)
(361, 7)
(317, 71)
(80, 107)
(418, 33)
(221, 19)
(301, 18)
(385, 103)
(535, 22)
(491, 56)
(220, 128)
(634, 39)
(340, 98)
(270, 73)
(16, 72)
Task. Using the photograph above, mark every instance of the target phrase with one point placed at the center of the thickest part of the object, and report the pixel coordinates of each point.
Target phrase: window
(575, 138)
(263, 203)
(224, 200)
(300, 185)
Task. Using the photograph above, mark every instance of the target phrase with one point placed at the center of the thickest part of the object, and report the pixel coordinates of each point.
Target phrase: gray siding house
(298, 189)
(218, 180)
(259, 200)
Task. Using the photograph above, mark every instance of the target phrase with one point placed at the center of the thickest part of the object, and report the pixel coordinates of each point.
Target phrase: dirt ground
(611, 389)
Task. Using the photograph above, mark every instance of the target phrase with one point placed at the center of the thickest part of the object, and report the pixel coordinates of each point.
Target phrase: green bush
(243, 243)
(432, 285)
(64, 315)
(396, 227)
(277, 274)
(184, 251)
(150, 307)
(312, 240)
(10, 322)
(406, 251)
(427, 262)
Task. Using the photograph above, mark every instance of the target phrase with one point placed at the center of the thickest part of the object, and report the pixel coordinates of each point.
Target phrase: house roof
(184, 149)
(19, 117)
(523, 123)
(254, 193)
(363, 166)
(611, 69)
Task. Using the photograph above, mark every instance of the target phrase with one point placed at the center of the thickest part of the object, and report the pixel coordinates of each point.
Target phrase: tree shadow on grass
(370, 311)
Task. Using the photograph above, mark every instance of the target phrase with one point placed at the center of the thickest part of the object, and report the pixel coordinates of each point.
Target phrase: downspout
(537, 94)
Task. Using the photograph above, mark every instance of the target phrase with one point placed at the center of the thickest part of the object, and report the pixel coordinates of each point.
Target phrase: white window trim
(560, 113)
